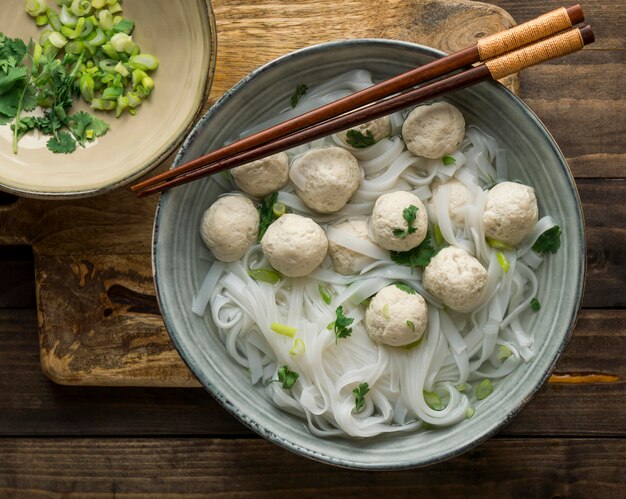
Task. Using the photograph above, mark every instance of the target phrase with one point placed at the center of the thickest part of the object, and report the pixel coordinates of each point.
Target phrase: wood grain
(97, 312)
(32, 405)
(219, 468)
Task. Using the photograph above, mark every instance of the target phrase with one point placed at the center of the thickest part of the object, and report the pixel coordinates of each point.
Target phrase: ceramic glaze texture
(182, 35)
(533, 157)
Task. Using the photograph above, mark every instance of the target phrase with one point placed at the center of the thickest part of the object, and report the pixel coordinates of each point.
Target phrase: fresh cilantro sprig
(549, 241)
(409, 214)
(360, 140)
(340, 324)
(300, 92)
(535, 305)
(287, 377)
(266, 213)
(405, 287)
(29, 79)
(359, 396)
(416, 257)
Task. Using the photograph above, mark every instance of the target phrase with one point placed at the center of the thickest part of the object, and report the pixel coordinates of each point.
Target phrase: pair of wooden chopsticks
(546, 37)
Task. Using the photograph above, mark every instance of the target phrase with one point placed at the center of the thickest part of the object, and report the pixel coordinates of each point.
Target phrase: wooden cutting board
(99, 322)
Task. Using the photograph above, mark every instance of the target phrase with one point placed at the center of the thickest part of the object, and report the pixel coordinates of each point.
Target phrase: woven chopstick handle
(544, 50)
(523, 34)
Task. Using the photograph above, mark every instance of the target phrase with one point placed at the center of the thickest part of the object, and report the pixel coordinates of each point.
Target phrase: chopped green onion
(269, 276)
(470, 412)
(463, 387)
(57, 39)
(297, 348)
(41, 20)
(503, 261)
(124, 26)
(283, 329)
(325, 294)
(448, 160)
(499, 245)
(411, 325)
(35, 8)
(121, 69)
(386, 311)
(438, 236)
(484, 389)
(121, 42)
(504, 352)
(433, 401)
(145, 62)
(86, 86)
(279, 209)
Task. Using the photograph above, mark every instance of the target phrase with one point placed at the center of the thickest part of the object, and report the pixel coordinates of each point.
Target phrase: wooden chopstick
(486, 48)
(496, 68)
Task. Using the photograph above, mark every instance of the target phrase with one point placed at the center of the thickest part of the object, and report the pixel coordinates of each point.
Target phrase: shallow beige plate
(182, 35)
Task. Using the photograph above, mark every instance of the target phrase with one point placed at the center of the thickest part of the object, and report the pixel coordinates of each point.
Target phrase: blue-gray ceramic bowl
(534, 159)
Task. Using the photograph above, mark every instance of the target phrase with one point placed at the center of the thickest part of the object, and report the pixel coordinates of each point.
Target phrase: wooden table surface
(568, 442)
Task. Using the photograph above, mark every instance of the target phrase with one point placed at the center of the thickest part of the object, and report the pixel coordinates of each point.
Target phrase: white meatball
(327, 178)
(395, 317)
(510, 212)
(380, 129)
(458, 198)
(294, 245)
(388, 217)
(229, 227)
(456, 278)
(434, 130)
(347, 261)
(263, 176)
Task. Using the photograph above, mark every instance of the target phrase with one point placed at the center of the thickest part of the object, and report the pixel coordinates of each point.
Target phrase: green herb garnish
(340, 324)
(549, 241)
(360, 140)
(411, 325)
(504, 352)
(503, 261)
(416, 257)
(359, 396)
(266, 214)
(287, 377)
(499, 245)
(484, 389)
(409, 214)
(448, 160)
(300, 92)
(535, 305)
(433, 400)
(325, 294)
(269, 276)
(470, 412)
(438, 236)
(405, 288)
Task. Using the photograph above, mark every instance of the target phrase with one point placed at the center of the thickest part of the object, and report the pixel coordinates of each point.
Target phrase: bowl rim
(291, 446)
(170, 146)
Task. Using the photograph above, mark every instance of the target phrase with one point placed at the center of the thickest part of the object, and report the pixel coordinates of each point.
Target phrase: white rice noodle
(456, 348)
(347, 240)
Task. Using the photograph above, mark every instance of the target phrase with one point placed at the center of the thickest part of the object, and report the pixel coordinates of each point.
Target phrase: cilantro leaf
(287, 377)
(535, 305)
(406, 288)
(266, 212)
(341, 323)
(98, 126)
(549, 241)
(359, 140)
(12, 49)
(409, 214)
(12, 78)
(64, 144)
(416, 257)
(359, 396)
(300, 92)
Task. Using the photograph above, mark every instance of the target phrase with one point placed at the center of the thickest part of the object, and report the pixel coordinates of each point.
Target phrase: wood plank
(606, 17)
(32, 405)
(255, 468)
(17, 275)
(578, 101)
